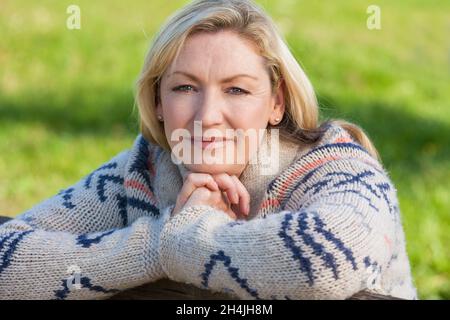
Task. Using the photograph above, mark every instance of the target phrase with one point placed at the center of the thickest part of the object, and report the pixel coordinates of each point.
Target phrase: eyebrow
(228, 79)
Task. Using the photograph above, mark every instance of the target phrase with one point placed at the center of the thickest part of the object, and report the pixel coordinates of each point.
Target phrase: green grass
(66, 98)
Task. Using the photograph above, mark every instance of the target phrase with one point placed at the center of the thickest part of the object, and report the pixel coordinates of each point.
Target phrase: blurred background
(66, 97)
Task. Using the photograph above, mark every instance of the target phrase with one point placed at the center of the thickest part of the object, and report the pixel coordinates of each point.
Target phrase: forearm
(293, 255)
(38, 264)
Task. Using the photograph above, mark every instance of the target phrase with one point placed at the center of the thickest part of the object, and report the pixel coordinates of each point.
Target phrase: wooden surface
(166, 289)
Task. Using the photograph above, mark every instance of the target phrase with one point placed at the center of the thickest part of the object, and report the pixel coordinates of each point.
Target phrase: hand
(218, 191)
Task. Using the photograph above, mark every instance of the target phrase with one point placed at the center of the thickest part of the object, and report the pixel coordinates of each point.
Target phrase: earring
(160, 118)
(277, 120)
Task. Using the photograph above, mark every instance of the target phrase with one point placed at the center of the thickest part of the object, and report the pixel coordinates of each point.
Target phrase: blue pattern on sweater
(234, 272)
(86, 242)
(351, 178)
(318, 249)
(143, 205)
(374, 267)
(85, 282)
(234, 223)
(318, 186)
(67, 196)
(122, 204)
(297, 253)
(302, 181)
(320, 225)
(8, 246)
(354, 146)
(111, 165)
(101, 184)
(308, 176)
(367, 262)
(384, 188)
(139, 164)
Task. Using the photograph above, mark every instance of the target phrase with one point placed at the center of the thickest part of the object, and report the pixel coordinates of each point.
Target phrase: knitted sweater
(324, 226)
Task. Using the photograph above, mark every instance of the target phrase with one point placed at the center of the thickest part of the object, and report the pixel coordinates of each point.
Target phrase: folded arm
(80, 242)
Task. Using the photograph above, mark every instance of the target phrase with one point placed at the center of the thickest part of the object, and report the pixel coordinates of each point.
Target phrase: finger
(202, 179)
(227, 184)
(194, 181)
(244, 196)
(199, 195)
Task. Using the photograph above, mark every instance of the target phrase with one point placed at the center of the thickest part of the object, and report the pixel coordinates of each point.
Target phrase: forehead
(223, 50)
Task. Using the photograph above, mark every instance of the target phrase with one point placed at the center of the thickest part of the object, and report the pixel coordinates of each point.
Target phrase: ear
(278, 106)
(158, 107)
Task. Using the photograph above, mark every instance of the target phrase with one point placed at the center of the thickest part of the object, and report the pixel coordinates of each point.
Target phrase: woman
(321, 223)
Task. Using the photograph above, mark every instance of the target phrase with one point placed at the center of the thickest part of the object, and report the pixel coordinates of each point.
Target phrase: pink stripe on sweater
(139, 186)
(307, 167)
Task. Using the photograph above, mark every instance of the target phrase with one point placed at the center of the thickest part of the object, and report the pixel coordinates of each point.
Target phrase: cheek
(178, 114)
(178, 110)
(249, 113)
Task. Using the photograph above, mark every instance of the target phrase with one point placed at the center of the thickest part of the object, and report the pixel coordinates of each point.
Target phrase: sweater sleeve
(75, 245)
(331, 240)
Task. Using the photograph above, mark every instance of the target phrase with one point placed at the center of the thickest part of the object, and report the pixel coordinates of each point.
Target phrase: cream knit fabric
(325, 226)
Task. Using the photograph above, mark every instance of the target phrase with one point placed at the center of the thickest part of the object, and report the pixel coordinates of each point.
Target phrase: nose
(210, 110)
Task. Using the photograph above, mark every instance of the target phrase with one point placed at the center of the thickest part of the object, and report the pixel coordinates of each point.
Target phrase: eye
(238, 91)
(185, 88)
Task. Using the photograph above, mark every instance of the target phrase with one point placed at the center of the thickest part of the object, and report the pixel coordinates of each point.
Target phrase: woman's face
(218, 82)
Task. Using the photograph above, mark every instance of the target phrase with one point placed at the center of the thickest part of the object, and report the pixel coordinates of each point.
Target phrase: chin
(235, 169)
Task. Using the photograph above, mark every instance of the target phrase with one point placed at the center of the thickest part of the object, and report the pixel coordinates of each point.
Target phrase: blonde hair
(300, 122)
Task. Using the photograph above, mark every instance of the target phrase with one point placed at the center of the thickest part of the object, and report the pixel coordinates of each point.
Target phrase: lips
(208, 139)
(215, 142)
